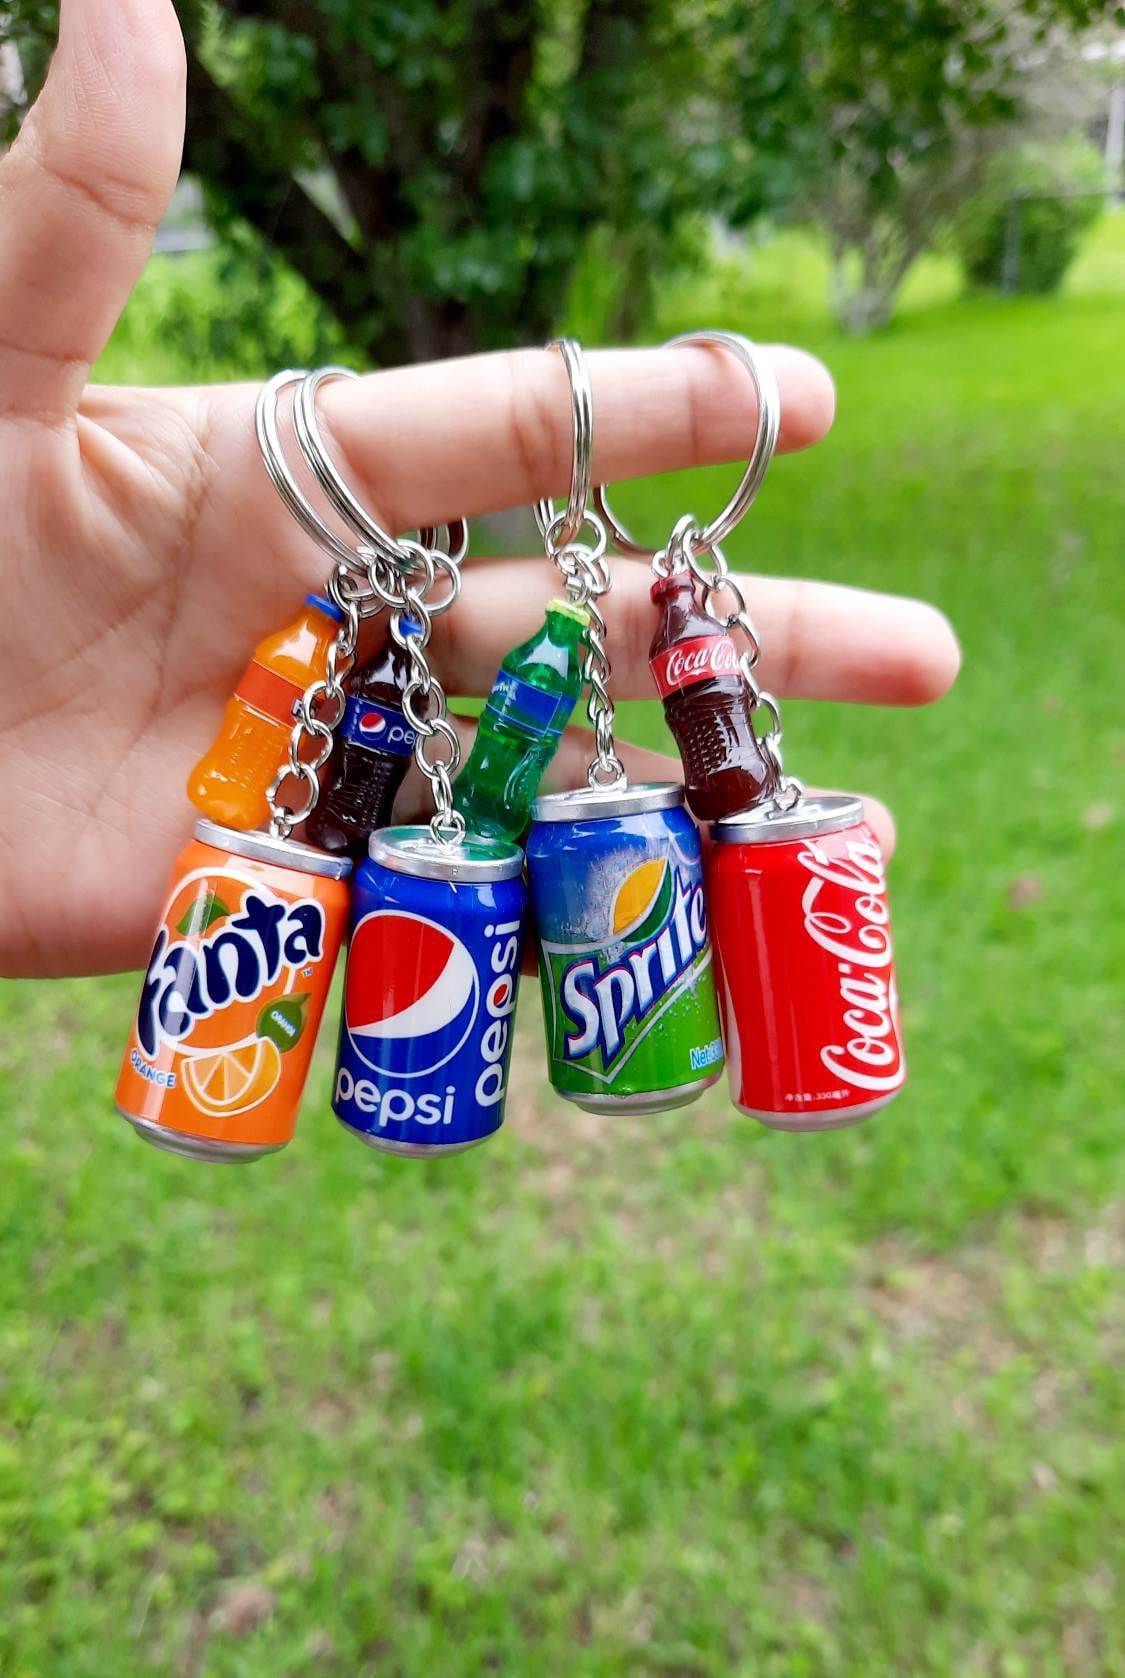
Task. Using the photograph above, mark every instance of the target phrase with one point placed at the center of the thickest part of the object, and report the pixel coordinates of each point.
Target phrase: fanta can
(233, 995)
(231, 779)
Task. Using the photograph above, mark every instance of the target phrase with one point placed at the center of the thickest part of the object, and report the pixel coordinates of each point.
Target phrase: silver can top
(414, 850)
(812, 814)
(586, 803)
(266, 847)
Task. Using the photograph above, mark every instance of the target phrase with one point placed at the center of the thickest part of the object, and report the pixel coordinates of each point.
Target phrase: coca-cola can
(801, 928)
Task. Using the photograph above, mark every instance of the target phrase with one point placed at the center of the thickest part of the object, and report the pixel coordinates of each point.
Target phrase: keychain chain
(716, 580)
(586, 571)
(380, 573)
(403, 588)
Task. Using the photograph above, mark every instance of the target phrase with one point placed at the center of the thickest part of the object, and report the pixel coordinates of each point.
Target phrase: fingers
(459, 438)
(81, 193)
(568, 769)
(819, 641)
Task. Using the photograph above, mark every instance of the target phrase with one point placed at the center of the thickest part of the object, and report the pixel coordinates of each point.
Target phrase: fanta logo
(189, 980)
(602, 1000)
(413, 998)
(856, 932)
(699, 660)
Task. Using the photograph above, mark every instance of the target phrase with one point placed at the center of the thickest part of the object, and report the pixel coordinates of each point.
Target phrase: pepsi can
(430, 991)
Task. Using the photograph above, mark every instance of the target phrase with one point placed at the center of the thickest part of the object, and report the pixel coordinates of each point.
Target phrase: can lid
(414, 850)
(323, 604)
(819, 813)
(585, 803)
(266, 847)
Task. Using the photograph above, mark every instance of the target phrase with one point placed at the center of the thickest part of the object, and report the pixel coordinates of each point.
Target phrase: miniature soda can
(805, 964)
(430, 993)
(233, 995)
(624, 954)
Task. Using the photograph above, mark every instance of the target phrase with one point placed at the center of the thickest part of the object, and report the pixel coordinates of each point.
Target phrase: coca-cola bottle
(694, 663)
(373, 749)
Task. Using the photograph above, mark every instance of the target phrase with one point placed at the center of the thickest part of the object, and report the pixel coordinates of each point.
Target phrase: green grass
(677, 1397)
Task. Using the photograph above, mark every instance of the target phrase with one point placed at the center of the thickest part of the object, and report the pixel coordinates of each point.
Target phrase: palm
(146, 552)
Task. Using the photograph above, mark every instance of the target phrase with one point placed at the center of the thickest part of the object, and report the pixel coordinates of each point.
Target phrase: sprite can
(624, 954)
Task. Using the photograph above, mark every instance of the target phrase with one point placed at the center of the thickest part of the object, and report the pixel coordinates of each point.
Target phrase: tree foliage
(433, 168)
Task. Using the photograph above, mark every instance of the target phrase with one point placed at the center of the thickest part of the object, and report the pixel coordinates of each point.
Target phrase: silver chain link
(365, 581)
(585, 570)
(685, 553)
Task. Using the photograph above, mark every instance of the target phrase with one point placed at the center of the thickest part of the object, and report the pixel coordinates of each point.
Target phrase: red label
(268, 693)
(802, 941)
(700, 660)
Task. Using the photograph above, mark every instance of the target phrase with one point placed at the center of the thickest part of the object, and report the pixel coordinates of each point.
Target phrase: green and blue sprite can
(624, 953)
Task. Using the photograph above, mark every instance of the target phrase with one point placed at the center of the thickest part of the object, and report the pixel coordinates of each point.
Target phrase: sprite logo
(611, 994)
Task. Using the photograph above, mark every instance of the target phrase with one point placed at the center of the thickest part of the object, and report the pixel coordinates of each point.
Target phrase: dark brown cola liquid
(373, 750)
(707, 704)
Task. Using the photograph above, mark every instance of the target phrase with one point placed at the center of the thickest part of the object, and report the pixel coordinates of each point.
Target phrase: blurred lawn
(672, 1396)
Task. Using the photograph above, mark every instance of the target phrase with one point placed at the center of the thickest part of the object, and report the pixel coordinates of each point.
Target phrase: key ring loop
(281, 476)
(328, 476)
(286, 485)
(582, 452)
(765, 442)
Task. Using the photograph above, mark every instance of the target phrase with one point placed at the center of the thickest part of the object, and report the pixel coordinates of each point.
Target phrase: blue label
(429, 1009)
(519, 705)
(377, 728)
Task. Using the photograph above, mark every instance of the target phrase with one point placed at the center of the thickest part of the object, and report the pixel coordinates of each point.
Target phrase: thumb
(81, 193)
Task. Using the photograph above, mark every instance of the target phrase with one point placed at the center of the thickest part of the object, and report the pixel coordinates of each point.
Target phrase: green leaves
(283, 1020)
(204, 912)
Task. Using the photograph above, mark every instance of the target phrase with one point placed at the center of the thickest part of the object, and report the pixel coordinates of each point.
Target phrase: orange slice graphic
(234, 1080)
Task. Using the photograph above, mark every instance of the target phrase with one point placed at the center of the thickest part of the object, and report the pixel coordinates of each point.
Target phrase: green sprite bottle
(535, 691)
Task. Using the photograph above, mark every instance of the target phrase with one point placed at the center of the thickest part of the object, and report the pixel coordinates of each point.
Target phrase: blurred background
(670, 1397)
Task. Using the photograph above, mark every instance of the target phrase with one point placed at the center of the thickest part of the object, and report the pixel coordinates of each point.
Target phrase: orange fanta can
(233, 995)
(231, 779)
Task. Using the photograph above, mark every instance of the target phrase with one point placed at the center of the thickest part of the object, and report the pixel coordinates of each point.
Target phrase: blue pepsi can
(430, 991)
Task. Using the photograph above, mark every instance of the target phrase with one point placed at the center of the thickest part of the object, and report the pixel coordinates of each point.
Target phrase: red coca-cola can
(797, 902)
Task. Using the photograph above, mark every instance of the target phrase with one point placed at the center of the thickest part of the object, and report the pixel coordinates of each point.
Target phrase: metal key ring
(295, 499)
(582, 455)
(350, 509)
(765, 442)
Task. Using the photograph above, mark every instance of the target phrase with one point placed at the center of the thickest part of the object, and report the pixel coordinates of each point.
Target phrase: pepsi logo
(412, 993)
(374, 723)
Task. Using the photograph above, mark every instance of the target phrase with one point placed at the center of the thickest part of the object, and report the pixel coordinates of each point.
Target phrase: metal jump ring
(765, 441)
(582, 456)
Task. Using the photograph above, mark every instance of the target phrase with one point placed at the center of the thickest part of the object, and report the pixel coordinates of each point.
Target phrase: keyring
(582, 455)
(286, 485)
(765, 442)
(312, 446)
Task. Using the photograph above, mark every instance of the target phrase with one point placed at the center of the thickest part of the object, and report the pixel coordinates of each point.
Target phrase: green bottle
(532, 697)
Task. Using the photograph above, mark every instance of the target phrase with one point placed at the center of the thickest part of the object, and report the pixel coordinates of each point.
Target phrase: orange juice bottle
(230, 781)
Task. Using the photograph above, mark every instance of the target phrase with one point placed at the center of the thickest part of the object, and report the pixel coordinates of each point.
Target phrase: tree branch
(224, 150)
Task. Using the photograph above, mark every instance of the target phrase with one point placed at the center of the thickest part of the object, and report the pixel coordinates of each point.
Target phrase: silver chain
(586, 572)
(396, 575)
(685, 553)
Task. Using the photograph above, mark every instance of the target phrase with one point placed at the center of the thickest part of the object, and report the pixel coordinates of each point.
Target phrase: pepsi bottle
(374, 746)
(532, 697)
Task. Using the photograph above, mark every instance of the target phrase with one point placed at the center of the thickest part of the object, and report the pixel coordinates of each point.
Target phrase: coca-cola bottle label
(377, 728)
(699, 660)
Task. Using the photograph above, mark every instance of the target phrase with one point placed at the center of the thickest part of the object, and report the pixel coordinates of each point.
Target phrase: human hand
(146, 552)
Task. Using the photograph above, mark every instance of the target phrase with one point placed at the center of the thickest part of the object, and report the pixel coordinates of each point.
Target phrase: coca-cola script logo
(694, 661)
(846, 913)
